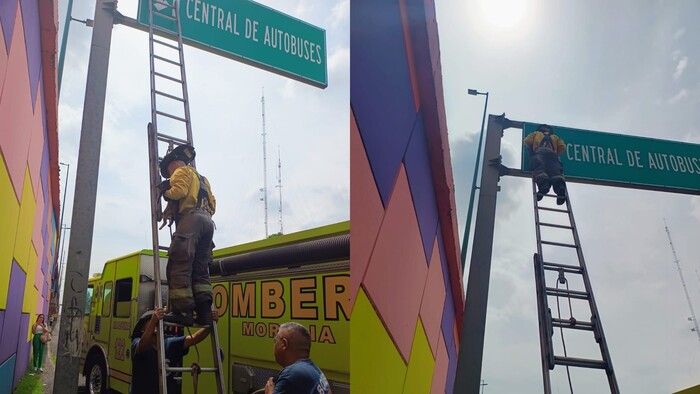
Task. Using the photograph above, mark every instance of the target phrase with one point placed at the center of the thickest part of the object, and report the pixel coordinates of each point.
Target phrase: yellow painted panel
(25, 226)
(9, 212)
(376, 365)
(690, 390)
(31, 294)
(420, 365)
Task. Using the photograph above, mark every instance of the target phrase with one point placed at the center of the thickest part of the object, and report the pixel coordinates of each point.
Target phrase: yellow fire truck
(302, 277)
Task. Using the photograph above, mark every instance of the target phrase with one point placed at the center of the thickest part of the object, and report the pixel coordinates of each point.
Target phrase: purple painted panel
(7, 369)
(8, 11)
(32, 30)
(23, 349)
(443, 259)
(11, 326)
(381, 95)
(420, 180)
(448, 321)
(451, 370)
(2, 321)
(44, 175)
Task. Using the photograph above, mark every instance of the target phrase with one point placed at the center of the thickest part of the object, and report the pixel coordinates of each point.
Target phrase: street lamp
(64, 41)
(465, 242)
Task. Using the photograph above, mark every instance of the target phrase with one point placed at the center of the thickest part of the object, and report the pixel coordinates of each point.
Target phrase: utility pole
(264, 188)
(685, 288)
(80, 249)
(279, 186)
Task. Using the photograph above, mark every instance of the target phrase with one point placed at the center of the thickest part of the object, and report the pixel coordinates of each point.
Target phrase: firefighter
(545, 148)
(190, 205)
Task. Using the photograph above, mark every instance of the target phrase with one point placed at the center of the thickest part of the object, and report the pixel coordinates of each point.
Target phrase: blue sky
(628, 67)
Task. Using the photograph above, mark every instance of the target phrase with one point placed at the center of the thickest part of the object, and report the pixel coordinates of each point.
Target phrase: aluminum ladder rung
(164, 31)
(167, 77)
(189, 369)
(569, 269)
(559, 244)
(580, 362)
(579, 295)
(554, 225)
(169, 324)
(170, 96)
(171, 116)
(163, 247)
(168, 139)
(167, 44)
(552, 209)
(576, 325)
(167, 60)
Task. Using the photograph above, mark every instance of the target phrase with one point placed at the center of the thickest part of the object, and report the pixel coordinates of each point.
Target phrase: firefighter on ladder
(545, 148)
(190, 205)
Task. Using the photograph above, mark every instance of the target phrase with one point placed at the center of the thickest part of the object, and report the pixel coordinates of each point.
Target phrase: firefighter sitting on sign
(191, 205)
(545, 148)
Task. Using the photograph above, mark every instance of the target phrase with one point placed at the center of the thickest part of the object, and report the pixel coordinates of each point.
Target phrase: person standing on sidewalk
(38, 346)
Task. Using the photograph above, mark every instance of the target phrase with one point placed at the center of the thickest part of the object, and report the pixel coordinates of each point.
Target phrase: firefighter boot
(559, 187)
(203, 310)
(182, 318)
(543, 185)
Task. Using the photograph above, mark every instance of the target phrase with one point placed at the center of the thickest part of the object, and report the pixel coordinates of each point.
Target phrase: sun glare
(504, 14)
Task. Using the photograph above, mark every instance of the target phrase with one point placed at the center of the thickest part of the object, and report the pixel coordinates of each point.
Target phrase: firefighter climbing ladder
(561, 290)
(166, 52)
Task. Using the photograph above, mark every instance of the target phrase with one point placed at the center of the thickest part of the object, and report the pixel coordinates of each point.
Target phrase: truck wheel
(96, 378)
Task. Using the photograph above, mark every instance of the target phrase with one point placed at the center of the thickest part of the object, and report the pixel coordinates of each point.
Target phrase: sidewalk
(50, 361)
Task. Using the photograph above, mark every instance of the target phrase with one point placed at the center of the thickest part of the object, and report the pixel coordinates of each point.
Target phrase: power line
(685, 288)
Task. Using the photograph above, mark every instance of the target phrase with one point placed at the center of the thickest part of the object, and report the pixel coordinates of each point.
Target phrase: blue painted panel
(23, 349)
(448, 321)
(32, 29)
(420, 180)
(7, 369)
(380, 92)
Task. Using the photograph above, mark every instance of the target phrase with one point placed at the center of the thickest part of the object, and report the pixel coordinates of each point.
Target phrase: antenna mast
(264, 188)
(685, 288)
(279, 186)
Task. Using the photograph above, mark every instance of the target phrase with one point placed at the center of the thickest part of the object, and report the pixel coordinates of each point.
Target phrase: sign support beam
(471, 346)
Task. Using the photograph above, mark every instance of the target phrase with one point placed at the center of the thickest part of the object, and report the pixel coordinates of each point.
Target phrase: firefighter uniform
(190, 252)
(547, 171)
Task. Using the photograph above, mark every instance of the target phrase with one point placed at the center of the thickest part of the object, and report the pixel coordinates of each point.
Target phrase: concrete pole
(78, 265)
(471, 345)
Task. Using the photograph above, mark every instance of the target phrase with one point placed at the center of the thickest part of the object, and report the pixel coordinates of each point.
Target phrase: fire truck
(302, 277)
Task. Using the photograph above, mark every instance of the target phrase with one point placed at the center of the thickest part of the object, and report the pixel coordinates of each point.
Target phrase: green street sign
(249, 32)
(624, 160)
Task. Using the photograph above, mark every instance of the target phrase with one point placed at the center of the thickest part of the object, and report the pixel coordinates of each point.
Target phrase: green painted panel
(249, 32)
(625, 159)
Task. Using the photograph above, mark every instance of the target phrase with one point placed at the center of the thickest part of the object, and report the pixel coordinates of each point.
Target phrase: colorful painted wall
(28, 175)
(405, 272)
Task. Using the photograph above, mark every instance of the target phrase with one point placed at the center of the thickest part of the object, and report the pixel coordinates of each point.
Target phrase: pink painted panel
(440, 371)
(433, 300)
(16, 111)
(36, 148)
(366, 211)
(397, 270)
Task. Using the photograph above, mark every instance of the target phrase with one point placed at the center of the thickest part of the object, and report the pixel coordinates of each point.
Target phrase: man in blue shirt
(300, 375)
(144, 353)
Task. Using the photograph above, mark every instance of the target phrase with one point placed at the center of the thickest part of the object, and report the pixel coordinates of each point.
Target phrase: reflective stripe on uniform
(185, 292)
(202, 288)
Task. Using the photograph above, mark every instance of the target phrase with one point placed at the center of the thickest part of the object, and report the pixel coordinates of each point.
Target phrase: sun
(504, 14)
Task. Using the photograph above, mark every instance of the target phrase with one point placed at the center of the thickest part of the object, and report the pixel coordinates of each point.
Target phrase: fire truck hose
(196, 370)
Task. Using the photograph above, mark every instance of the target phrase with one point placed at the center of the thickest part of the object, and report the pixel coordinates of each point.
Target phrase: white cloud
(679, 33)
(680, 67)
(678, 97)
(340, 14)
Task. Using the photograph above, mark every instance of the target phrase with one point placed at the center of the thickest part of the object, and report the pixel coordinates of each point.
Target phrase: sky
(625, 67)
(306, 127)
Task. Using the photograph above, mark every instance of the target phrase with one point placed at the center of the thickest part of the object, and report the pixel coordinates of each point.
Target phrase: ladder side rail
(183, 78)
(545, 340)
(609, 371)
(155, 178)
(214, 332)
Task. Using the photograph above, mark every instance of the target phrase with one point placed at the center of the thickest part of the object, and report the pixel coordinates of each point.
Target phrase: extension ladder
(561, 290)
(169, 90)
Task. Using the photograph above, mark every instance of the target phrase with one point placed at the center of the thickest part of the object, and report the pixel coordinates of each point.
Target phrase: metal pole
(78, 264)
(54, 299)
(467, 227)
(64, 41)
(471, 345)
